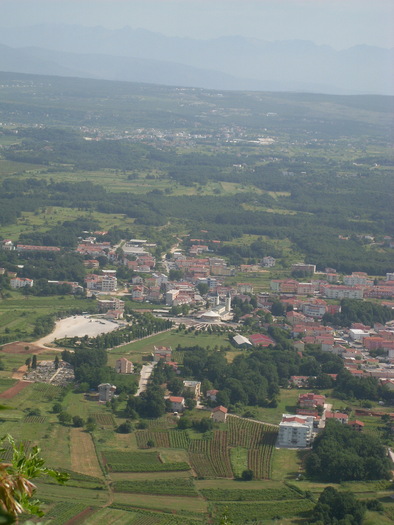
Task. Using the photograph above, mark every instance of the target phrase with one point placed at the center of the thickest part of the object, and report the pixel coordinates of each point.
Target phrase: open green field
(19, 313)
(145, 347)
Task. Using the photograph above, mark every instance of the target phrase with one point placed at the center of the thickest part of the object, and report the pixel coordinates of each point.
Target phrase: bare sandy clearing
(78, 326)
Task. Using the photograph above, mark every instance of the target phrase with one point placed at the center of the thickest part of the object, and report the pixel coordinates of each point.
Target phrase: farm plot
(34, 419)
(163, 423)
(14, 390)
(104, 420)
(170, 487)
(145, 438)
(241, 513)
(216, 451)
(118, 461)
(179, 439)
(259, 439)
(268, 494)
(63, 511)
(83, 454)
(247, 433)
(141, 517)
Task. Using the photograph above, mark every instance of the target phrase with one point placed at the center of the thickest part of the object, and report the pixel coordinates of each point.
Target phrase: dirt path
(14, 390)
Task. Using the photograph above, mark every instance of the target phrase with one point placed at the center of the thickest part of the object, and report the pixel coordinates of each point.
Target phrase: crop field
(159, 439)
(171, 487)
(83, 454)
(215, 451)
(63, 511)
(34, 419)
(179, 439)
(140, 517)
(140, 462)
(241, 513)
(105, 420)
(264, 494)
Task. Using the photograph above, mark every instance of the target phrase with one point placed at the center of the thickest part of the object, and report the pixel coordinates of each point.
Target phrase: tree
(336, 507)
(56, 362)
(78, 421)
(34, 362)
(91, 424)
(247, 475)
(16, 488)
(125, 428)
(64, 418)
(57, 408)
(28, 362)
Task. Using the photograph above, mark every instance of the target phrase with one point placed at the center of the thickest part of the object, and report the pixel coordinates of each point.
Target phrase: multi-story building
(295, 431)
(124, 366)
(106, 392)
(21, 282)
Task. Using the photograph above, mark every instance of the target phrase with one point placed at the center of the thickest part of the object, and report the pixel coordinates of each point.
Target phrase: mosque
(219, 311)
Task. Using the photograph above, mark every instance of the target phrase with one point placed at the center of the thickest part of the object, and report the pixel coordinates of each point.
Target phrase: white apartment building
(21, 282)
(295, 431)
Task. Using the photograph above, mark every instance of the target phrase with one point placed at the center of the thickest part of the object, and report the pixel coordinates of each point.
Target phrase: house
(124, 366)
(211, 394)
(261, 340)
(303, 267)
(162, 352)
(311, 400)
(194, 387)
(338, 416)
(295, 431)
(106, 392)
(219, 414)
(177, 403)
(300, 381)
(356, 425)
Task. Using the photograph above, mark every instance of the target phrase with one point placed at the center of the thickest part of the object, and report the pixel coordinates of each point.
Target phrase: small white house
(177, 403)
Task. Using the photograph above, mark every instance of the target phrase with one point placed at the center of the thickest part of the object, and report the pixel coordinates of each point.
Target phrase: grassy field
(18, 313)
(143, 348)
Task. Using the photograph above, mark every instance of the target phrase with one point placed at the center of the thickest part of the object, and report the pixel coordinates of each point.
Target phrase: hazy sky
(339, 23)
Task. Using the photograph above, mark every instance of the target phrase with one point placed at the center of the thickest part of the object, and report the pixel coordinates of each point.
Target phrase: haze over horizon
(337, 23)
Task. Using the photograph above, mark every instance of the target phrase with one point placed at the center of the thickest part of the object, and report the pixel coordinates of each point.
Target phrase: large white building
(295, 431)
(21, 282)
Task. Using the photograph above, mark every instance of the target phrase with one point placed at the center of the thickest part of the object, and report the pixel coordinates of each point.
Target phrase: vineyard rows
(216, 451)
(179, 439)
(62, 512)
(160, 439)
(155, 518)
(105, 420)
(170, 487)
(241, 513)
(140, 462)
(35, 419)
(268, 494)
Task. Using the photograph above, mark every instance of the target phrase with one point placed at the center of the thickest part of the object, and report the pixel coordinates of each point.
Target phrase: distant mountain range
(231, 63)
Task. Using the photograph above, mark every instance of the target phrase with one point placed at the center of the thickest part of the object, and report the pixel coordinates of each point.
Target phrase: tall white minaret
(217, 299)
(228, 302)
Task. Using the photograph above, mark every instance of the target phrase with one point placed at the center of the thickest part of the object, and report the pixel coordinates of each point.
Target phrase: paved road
(146, 372)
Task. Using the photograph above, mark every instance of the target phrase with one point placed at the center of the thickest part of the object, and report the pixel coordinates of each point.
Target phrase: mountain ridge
(227, 62)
